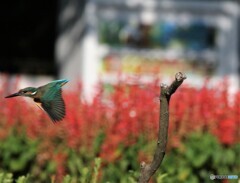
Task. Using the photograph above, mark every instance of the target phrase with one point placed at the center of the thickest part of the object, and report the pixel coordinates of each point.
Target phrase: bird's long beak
(13, 95)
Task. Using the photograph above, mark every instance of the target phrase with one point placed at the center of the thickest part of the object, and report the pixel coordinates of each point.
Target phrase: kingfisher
(48, 98)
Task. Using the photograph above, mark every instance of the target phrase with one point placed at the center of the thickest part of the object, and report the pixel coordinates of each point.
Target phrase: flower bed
(120, 118)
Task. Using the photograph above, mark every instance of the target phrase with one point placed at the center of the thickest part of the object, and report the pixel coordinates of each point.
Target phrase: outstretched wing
(53, 103)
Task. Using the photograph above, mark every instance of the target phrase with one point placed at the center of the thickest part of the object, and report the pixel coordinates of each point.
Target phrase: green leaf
(229, 157)
(160, 178)
(6, 178)
(23, 179)
(96, 169)
(67, 179)
(98, 142)
(200, 159)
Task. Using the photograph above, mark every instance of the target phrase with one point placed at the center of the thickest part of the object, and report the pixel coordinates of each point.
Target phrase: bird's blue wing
(60, 82)
(53, 103)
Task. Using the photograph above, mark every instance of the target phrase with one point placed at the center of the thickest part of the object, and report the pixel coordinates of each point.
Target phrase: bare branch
(147, 170)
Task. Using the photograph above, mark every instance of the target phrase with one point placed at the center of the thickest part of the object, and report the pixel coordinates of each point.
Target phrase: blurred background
(119, 50)
(100, 40)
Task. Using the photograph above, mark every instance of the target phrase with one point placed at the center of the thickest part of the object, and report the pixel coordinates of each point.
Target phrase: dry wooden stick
(147, 170)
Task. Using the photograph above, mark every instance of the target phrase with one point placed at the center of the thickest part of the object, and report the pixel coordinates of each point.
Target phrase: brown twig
(147, 170)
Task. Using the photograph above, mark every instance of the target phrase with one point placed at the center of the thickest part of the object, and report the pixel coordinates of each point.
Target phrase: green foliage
(126, 168)
(87, 175)
(200, 155)
(68, 179)
(98, 143)
(8, 178)
(23, 179)
(96, 170)
(17, 153)
(77, 167)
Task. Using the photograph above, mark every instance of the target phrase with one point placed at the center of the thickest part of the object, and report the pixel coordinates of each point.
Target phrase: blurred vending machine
(149, 39)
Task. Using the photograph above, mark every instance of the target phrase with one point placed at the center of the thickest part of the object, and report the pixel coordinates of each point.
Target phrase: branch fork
(147, 170)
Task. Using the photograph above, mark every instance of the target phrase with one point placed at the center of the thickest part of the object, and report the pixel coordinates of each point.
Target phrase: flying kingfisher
(48, 97)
